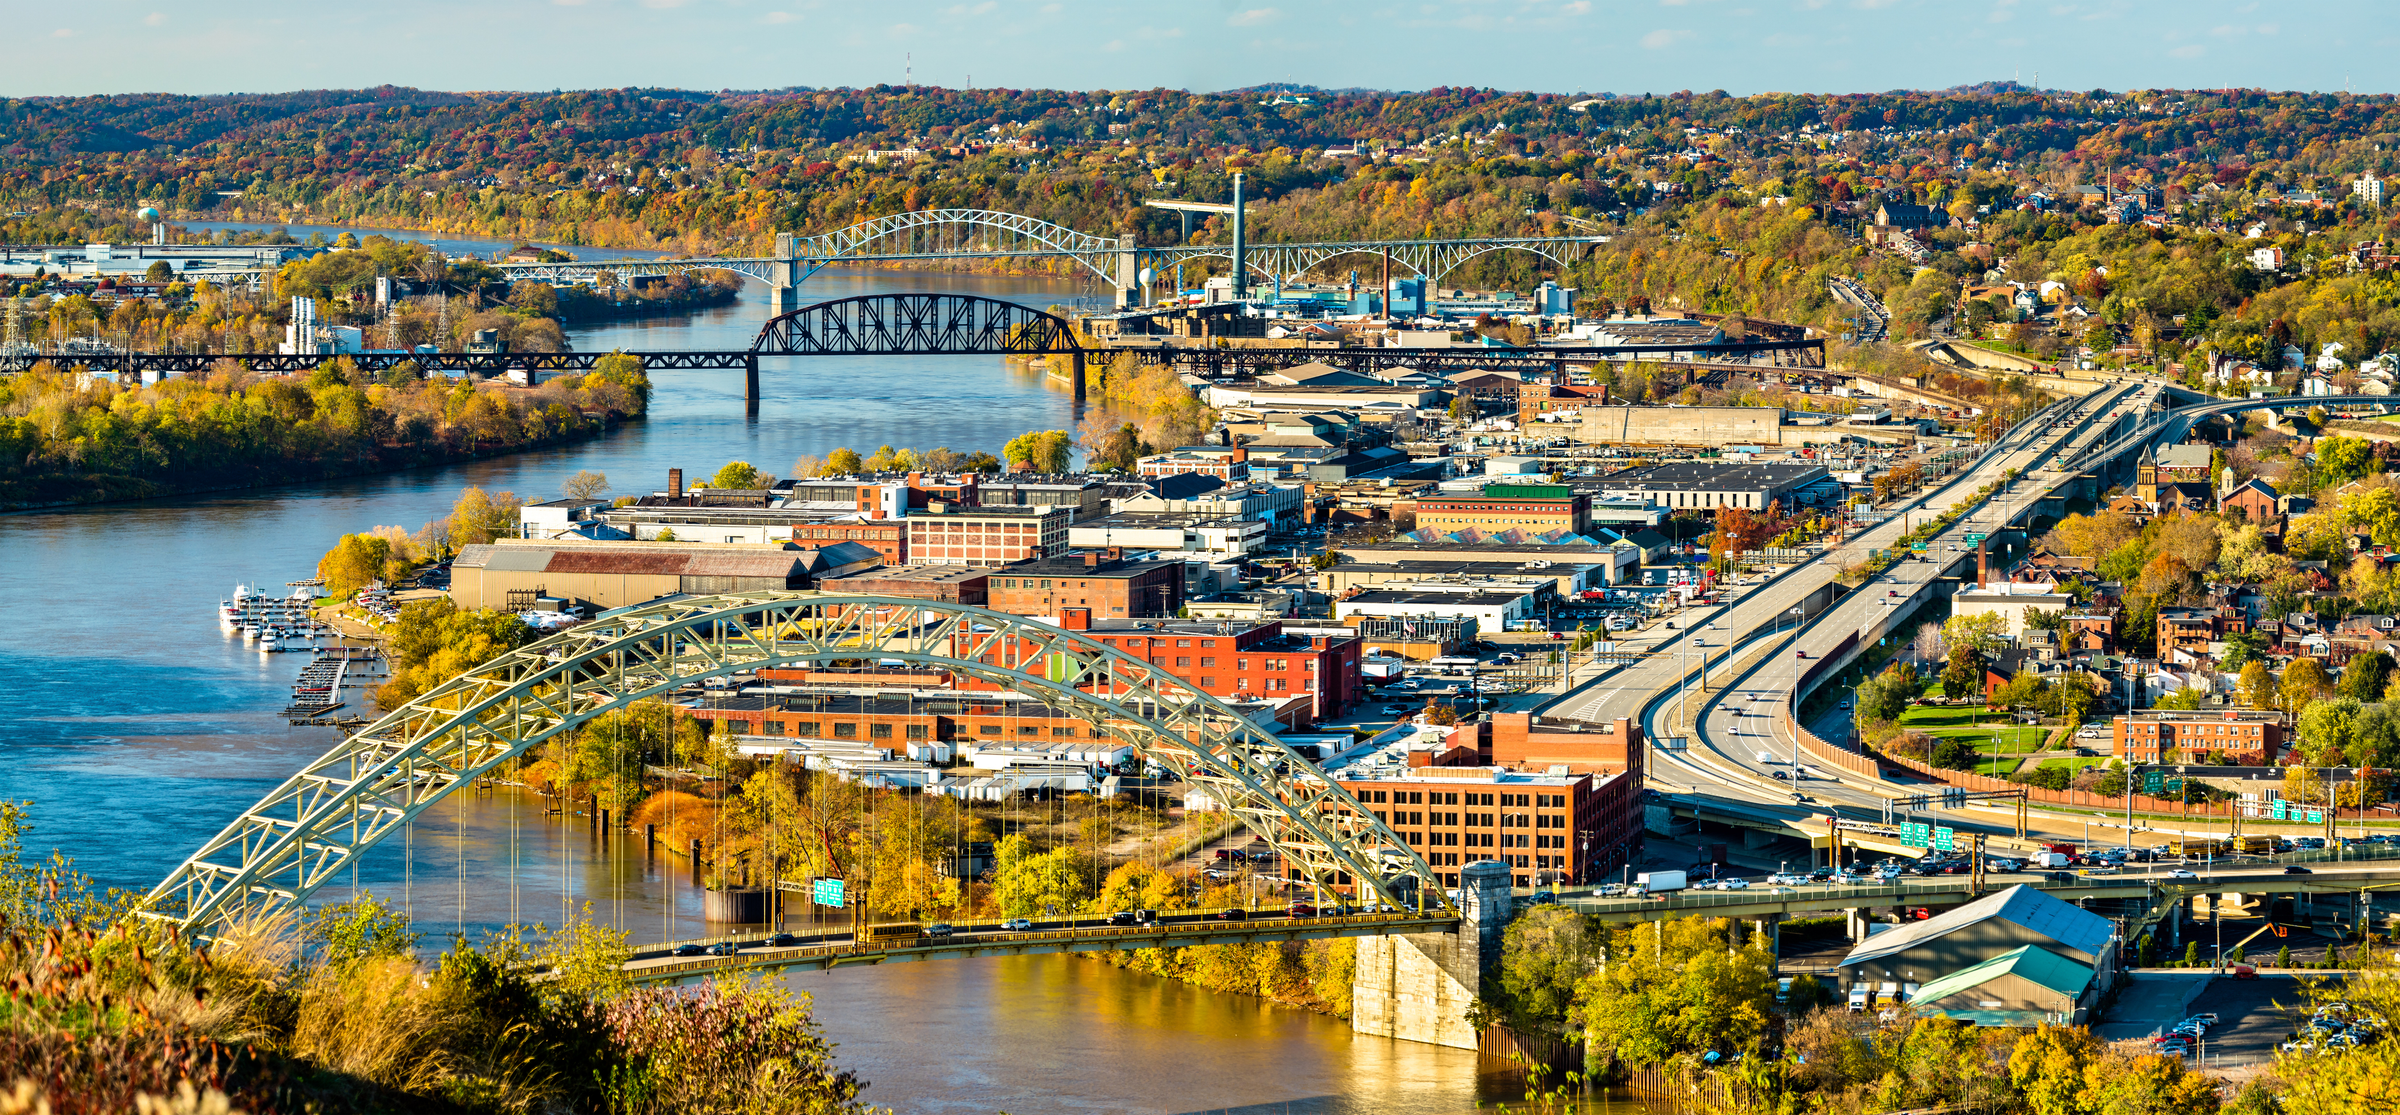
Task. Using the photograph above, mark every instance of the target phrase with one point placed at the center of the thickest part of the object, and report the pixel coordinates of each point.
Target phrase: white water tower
(158, 225)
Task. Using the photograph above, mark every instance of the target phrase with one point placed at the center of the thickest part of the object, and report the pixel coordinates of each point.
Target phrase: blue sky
(1566, 46)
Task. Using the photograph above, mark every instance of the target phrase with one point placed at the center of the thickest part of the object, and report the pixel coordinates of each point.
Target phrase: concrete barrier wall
(1968, 780)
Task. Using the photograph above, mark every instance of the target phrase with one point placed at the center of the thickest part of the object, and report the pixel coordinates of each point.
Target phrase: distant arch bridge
(968, 234)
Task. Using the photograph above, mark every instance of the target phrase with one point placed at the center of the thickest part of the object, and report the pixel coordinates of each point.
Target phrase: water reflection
(139, 729)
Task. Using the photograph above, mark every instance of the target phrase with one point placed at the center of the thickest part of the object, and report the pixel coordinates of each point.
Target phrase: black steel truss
(915, 325)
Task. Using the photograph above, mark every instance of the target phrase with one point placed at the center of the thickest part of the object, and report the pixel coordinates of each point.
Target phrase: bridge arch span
(952, 231)
(305, 832)
(915, 324)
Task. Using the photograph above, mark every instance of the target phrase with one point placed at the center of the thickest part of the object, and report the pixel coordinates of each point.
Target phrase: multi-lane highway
(1725, 729)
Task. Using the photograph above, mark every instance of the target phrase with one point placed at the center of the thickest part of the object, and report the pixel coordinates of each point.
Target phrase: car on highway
(1395, 710)
(1017, 925)
(2296, 869)
(1235, 913)
(1300, 910)
(941, 929)
(690, 950)
(724, 948)
(783, 941)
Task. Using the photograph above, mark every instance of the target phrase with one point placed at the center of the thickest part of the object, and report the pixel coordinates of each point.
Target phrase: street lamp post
(1799, 615)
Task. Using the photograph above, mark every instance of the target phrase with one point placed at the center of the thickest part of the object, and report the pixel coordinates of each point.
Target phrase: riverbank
(112, 488)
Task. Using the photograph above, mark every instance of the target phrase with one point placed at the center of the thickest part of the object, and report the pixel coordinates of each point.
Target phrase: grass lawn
(2002, 745)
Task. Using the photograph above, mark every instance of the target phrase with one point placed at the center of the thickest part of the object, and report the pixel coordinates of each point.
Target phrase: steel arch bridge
(321, 820)
(960, 234)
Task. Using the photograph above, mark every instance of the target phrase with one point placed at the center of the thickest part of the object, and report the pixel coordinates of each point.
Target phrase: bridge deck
(840, 950)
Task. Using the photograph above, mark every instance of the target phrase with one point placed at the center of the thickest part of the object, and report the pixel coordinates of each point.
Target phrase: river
(140, 729)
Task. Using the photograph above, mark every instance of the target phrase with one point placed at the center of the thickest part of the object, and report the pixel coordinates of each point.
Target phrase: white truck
(2051, 859)
(1768, 757)
(1662, 882)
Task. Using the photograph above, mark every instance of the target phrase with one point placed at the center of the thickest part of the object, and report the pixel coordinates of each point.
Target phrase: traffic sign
(1945, 840)
(826, 892)
(2280, 811)
(2316, 816)
(2154, 781)
(1916, 835)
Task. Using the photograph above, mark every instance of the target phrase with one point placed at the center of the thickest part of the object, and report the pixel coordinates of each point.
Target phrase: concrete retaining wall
(1616, 425)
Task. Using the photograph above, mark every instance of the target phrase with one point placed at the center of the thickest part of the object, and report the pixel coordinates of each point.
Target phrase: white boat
(268, 642)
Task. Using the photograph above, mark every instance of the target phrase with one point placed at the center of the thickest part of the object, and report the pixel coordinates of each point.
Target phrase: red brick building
(888, 537)
(1549, 828)
(1102, 582)
(1234, 661)
(2249, 736)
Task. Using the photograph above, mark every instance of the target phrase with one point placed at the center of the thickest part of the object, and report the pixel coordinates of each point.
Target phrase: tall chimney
(674, 483)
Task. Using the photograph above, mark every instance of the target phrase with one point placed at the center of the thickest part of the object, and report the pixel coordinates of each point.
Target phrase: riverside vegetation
(1660, 998)
(67, 438)
(108, 1012)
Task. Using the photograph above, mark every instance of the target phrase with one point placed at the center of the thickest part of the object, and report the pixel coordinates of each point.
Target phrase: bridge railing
(1143, 936)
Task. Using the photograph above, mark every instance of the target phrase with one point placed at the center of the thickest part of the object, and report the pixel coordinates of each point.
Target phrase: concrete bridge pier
(783, 280)
(1417, 986)
(750, 386)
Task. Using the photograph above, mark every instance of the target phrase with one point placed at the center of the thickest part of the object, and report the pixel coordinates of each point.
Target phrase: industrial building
(950, 534)
(1491, 609)
(1682, 485)
(517, 574)
(1901, 962)
(1456, 803)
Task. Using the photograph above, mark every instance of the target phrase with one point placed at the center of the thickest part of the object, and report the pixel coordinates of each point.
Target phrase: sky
(1561, 46)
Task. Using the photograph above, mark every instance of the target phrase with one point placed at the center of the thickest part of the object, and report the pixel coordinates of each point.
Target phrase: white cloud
(155, 19)
(1255, 17)
(63, 33)
(2188, 51)
(779, 17)
(1663, 38)
(1579, 7)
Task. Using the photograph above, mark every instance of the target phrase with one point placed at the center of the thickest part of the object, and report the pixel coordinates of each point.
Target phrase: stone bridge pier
(1417, 986)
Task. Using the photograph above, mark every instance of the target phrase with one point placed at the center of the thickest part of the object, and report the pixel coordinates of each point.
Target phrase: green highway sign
(2281, 812)
(1916, 836)
(826, 892)
(1945, 839)
(2316, 816)
(1976, 536)
(2154, 781)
